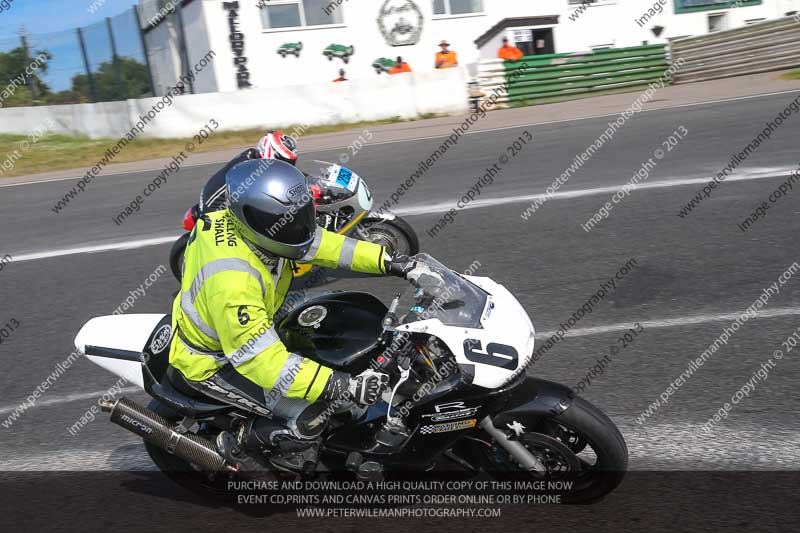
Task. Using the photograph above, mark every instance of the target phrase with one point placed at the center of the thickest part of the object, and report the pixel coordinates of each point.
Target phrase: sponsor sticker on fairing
(450, 426)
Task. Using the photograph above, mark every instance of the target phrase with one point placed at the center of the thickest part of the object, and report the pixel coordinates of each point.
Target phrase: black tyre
(397, 235)
(176, 256)
(581, 446)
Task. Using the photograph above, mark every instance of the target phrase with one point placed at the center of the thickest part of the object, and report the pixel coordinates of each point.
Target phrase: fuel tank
(339, 330)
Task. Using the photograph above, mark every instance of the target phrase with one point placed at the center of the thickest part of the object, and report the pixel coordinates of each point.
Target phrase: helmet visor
(294, 227)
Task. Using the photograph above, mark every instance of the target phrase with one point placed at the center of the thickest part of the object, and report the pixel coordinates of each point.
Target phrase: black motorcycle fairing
(531, 400)
(435, 423)
(339, 330)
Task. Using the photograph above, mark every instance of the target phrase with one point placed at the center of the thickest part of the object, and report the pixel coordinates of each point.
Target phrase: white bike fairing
(500, 348)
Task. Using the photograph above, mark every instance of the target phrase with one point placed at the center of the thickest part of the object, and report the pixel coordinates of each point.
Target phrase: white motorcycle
(457, 349)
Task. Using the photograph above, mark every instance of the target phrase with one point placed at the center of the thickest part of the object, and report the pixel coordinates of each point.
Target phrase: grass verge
(63, 152)
(791, 75)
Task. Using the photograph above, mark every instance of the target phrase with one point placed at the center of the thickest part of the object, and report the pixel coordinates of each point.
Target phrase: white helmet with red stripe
(277, 145)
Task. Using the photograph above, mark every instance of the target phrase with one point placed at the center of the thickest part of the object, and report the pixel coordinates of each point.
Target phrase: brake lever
(404, 374)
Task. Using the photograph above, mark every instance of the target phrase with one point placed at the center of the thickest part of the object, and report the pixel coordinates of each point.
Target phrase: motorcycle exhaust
(156, 430)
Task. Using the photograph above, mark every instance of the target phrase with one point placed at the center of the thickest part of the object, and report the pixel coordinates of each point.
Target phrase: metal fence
(760, 47)
(102, 62)
(553, 77)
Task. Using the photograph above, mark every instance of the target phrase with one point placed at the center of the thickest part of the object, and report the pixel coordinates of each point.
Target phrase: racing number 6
(243, 316)
(499, 355)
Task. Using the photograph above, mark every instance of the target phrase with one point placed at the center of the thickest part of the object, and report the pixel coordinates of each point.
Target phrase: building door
(535, 41)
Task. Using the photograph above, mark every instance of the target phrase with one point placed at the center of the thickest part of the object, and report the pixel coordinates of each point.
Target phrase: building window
(300, 13)
(688, 6)
(457, 7)
(717, 22)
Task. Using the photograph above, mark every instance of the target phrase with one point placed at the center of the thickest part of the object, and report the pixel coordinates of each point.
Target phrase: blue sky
(51, 26)
(44, 16)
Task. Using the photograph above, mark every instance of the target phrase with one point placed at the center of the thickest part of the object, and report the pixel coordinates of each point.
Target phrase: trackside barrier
(761, 47)
(555, 76)
(377, 98)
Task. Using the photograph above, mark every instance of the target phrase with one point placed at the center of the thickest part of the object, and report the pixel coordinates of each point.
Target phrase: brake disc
(556, 456)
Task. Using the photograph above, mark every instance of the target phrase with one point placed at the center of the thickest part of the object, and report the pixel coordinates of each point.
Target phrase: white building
(246, 34)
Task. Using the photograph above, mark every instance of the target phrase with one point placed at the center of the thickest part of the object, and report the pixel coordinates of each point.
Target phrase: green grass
(61, 152)
(791, 75)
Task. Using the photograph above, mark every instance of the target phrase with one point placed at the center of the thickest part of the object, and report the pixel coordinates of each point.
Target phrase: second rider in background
(274, 145)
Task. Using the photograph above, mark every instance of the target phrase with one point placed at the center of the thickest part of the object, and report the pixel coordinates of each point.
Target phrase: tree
(13, 77)
(134, 81)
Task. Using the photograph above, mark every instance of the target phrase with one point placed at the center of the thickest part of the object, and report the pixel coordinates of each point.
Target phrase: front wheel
(581, 447)
(176, 256)
(396, 236)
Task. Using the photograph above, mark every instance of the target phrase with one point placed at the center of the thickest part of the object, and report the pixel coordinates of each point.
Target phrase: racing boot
(283, 447)
(228, 446)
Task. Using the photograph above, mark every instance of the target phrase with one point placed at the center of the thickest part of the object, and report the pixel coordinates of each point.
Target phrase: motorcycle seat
(175, 393)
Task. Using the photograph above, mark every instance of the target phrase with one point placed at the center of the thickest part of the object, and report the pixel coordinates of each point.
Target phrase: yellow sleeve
(332, 250)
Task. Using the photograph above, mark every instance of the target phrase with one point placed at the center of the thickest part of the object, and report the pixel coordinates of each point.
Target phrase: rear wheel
(176, 469)
(397, 236)
(581, 447)
(176, 256)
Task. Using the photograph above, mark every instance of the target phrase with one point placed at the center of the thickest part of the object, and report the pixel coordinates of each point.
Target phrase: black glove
(363, 389)
(399, 265)
(366, 388)
(251, 153)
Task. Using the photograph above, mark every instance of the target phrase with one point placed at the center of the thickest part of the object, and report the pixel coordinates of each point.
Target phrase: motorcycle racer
(273, 146)
(236, 276)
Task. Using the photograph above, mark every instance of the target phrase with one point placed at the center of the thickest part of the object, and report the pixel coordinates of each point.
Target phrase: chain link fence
(101, 62)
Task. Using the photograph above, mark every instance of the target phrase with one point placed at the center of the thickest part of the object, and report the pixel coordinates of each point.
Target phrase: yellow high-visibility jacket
(229, 297)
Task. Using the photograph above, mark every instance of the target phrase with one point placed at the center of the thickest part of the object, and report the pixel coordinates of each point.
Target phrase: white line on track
(475, 132)
(671, 322)
(761, 173)
(89, 249)
(441, 207)
(580, 332)
(58, 400)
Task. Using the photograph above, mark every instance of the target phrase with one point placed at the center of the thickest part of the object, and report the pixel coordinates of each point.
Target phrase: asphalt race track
(692, 277)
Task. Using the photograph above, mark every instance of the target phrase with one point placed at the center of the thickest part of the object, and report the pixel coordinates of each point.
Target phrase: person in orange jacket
(341, 76)
(400, 67)
(446, 58)
(509, 52)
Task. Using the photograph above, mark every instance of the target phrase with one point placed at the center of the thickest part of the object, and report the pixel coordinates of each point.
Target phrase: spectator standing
(341, 76)
(509, 52)
(446, 58)
(400, 67)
